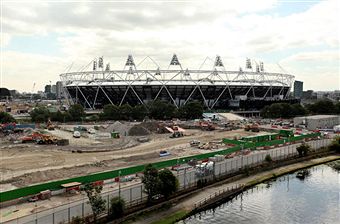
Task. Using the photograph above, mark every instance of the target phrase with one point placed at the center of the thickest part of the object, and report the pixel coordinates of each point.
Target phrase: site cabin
(70, 187)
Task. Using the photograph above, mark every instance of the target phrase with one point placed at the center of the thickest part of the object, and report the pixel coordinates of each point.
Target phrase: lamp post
(119, 172)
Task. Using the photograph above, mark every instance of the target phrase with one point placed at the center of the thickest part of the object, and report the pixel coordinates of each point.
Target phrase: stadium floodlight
(129, 61)
(218, 62)
(174, 60)
(248, 64)
(100, 62)
(261, 66)
(257, 68)
(158, 72)
(107, 67)
(94, 65)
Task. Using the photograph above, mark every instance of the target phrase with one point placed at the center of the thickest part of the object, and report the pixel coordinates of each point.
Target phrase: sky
(42, 39)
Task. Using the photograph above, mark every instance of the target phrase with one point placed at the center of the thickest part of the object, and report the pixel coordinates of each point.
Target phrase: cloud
(193, 30)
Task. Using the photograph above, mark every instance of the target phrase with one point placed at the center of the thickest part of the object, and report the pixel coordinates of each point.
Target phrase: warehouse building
(317, 121)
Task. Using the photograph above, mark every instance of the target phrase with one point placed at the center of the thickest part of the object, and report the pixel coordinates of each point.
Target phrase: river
(287, 199)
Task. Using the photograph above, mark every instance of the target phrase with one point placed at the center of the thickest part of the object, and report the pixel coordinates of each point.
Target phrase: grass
(171, 218)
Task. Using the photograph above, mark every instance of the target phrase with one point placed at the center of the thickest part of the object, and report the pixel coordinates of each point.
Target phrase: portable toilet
(115, 134)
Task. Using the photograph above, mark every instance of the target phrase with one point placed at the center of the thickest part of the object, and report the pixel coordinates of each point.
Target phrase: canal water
(288, 199)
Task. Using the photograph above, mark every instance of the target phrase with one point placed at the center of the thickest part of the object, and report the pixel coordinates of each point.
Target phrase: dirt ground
(26, 164)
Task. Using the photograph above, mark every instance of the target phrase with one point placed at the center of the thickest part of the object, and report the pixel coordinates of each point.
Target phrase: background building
(317, 121)
(48, 89)
(59, 90)
(298, 89)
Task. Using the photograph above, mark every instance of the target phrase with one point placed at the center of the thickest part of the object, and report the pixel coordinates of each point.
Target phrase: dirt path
(188, 204)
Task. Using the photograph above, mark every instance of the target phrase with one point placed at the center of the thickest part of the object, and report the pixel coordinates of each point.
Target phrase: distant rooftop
(319, 116)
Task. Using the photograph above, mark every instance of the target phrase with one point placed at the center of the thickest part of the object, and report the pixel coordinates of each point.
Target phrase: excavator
(252, 127)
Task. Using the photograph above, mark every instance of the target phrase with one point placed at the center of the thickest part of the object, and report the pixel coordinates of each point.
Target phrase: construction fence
(134, 194)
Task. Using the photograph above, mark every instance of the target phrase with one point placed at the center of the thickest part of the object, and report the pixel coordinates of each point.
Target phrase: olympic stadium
(216, 88)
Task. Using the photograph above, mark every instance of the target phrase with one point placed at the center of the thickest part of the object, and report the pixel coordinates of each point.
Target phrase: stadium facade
(216, 88)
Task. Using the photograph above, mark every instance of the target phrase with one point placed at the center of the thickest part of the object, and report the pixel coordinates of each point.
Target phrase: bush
(335, 146)
(117, 208)
(303, 149)
(6, 118)
(268, 158)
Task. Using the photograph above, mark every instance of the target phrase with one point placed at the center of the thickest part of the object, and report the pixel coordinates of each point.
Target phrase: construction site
(39, 153)
(54, 159)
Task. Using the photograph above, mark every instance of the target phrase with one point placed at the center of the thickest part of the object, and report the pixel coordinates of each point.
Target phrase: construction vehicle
(252, 127)
(176, 134)
(176, 131)
(49, 125)
(206, 126)
(39, 138)
(195, 143)
(46, 139)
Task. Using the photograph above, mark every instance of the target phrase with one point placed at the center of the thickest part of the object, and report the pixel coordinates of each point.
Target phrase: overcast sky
(40, 39)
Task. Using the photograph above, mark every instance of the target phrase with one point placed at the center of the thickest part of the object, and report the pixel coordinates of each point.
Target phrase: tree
(303, 149)
(151, 181)
(117, 208)
(191, 110)
(6, 118)
(161, 110)
(125, 112)
(95, 200)
(298, 110)
(139, 112)
(40, 114)
(169, 183)
(77, 112)
(322, 107)
(110, 112)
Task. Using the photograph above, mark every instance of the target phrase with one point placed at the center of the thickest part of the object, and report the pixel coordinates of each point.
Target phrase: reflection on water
(288, 199)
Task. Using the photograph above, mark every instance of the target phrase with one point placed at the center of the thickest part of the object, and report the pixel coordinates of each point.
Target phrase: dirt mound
(151, 126)
(120, 127)
(138, 130)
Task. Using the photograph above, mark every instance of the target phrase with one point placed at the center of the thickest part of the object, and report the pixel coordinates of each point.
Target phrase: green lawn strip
(171, 218)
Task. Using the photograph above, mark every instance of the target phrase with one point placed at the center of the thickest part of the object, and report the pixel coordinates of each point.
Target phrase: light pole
(119, 172)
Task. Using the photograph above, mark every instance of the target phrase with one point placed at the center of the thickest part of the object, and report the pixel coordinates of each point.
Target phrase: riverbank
(188, 205)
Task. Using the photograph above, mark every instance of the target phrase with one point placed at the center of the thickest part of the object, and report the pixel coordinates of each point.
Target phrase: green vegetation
(303, 149)
(151, 181)
(117, 208)
(77, 112)
(335, 146)
(42, 114)
(159, 183)
(95, 200)
(157, 110)
(285, 110)
(172, 218)
(268, 158)
(169, 183)
(6, 118)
